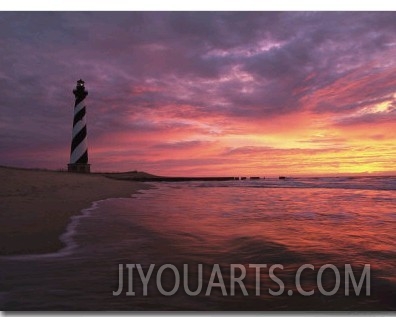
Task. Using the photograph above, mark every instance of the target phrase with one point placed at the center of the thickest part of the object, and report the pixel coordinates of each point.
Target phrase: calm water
(317, 221)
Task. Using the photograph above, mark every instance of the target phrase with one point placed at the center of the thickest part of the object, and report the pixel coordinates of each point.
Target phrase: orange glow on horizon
(301, 143)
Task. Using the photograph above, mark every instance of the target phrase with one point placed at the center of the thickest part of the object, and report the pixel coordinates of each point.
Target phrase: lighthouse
(79, 148)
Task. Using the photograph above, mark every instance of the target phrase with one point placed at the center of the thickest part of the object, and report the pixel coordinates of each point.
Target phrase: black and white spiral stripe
(79, 147)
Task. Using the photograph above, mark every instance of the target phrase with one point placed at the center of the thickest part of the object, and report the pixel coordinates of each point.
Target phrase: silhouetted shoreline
(174, 179)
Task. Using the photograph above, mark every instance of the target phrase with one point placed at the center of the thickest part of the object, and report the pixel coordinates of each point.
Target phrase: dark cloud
(389, 116)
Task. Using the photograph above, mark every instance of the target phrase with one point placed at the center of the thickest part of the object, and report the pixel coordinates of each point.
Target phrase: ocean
(283, 224)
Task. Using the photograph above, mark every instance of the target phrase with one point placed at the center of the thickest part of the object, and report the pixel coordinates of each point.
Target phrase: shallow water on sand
(295, 222)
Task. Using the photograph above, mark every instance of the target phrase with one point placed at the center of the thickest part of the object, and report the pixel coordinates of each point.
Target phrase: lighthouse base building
(79, 148)
(79, 168)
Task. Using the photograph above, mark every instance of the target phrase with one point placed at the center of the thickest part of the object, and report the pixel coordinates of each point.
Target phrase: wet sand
(36, 205)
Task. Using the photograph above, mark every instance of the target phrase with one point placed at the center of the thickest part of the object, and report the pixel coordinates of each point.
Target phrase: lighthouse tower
(79, 148)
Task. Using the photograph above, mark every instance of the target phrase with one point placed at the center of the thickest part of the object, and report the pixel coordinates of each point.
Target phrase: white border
(204, 5)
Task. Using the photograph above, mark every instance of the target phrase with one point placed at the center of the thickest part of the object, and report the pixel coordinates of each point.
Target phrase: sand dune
(35, 206)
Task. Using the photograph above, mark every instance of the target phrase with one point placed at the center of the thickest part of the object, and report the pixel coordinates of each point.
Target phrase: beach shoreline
(36, 206)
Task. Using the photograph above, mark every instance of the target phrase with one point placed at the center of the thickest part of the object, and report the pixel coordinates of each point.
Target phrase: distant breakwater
(182, 179)
(144, 177)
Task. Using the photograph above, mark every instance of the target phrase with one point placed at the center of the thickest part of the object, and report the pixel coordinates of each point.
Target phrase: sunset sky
(202, 93)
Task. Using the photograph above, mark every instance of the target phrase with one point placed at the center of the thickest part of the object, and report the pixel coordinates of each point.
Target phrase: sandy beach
(36, 205)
